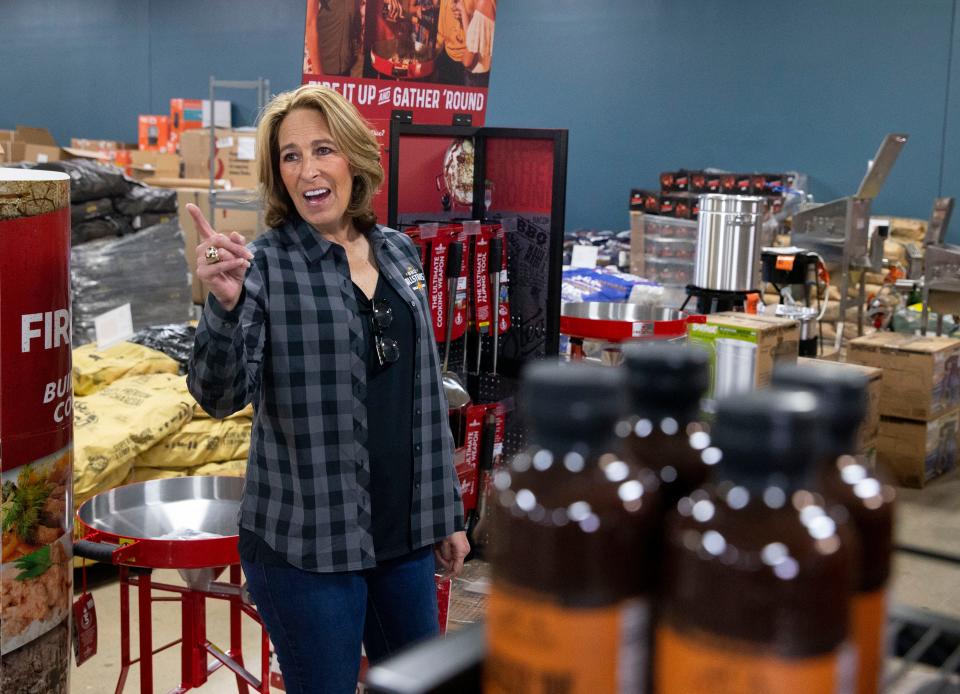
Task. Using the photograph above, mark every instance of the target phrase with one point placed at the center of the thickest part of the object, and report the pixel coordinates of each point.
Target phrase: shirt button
(418, 375)
(413, 303)
(417, 448)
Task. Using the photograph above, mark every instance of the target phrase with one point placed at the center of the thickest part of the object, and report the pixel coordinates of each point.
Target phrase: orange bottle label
(539, 647)
(869, 615)
(785, 262)
(699, 663)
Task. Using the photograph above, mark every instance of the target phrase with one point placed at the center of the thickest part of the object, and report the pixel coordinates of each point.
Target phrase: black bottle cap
(666, 378)
(768, 433)
(842, 393)
(573, 401)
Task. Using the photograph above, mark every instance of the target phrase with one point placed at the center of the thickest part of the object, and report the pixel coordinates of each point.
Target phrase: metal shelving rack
(243, 199)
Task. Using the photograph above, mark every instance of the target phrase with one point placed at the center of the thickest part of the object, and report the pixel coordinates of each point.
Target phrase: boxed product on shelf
(870, 428)
(665, 247)
(657, 228)
(146, 164)
(669, 271)
(190, 114)
(917, 452)
(744, 349)
(921, 375)
(235, 155)
(153, 133)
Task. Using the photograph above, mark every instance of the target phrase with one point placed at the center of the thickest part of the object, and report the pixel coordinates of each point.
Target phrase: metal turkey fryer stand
(183, 523)
(619, 322)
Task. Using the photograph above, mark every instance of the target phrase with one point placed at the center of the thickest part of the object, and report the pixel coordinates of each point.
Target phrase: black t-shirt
(389, 404)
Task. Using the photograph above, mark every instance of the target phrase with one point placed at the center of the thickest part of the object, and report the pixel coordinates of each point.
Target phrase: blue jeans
(317, 621)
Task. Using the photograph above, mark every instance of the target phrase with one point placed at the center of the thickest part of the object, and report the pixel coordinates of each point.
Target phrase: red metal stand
(195, 649)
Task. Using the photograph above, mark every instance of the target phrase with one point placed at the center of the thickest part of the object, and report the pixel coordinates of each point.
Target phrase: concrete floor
(928, 518)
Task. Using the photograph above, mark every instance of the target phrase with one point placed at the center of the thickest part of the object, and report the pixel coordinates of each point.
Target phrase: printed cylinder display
(36, 432)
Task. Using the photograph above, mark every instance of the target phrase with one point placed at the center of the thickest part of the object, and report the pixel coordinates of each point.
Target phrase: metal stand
(839, 231)
(243, 200)
(195, 666)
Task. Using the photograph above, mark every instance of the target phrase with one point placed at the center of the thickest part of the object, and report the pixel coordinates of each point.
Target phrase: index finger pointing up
(204, 230)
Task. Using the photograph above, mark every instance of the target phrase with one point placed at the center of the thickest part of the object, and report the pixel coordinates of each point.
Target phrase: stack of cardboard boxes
(919, 402)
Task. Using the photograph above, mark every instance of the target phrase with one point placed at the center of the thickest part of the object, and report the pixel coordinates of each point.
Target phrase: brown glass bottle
(574, 530)
(666, 383)
(756, 588)
(869, 503)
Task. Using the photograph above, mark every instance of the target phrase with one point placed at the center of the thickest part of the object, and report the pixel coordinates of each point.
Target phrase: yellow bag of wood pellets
(231, 468)
(95, 369)
(245, 413)
(199, 442)
(127, 417)
(145, 474)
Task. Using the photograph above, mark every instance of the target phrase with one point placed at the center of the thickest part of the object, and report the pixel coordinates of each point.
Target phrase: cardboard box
(744, 348)
(921, 375)
(153, 133)
(225, 221)
(6, 145)
(145, 165)
(37, 145)
(235, 152)
(100, 145)
(870, 428)
(917, 452)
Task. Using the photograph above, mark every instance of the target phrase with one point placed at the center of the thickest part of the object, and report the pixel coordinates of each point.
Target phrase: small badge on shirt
(414, 278)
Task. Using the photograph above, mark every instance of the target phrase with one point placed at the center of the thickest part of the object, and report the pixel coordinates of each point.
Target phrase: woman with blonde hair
(351, 501)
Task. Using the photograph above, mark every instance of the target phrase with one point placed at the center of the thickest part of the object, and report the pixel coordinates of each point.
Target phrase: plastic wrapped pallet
(114, 425)
(94, 369)
(147, 270)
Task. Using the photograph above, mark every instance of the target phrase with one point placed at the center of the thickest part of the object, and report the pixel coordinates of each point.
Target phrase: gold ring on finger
(212, 255)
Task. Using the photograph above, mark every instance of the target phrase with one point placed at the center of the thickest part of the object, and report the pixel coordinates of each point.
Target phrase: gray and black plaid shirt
(293, 346)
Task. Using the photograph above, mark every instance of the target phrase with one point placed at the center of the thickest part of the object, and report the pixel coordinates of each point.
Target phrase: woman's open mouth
(316, 196)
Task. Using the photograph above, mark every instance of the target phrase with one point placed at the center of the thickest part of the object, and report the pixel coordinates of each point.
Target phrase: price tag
(246, 148)
(114, 326)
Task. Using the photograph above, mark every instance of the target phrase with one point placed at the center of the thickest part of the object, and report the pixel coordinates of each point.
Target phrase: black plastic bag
(102, 227)
(148, 219)
(175, 340)
(91, 209)
(90, 180)
(146, 199)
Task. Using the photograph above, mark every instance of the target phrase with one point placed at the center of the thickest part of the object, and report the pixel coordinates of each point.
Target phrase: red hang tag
(481, 290)
(470, 462)
(84, 628)
(438, 287)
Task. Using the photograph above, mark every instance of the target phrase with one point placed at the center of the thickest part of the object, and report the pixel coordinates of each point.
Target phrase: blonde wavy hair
(350, 132)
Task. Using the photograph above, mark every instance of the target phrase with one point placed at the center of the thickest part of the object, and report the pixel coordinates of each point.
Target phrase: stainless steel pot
(728, 243)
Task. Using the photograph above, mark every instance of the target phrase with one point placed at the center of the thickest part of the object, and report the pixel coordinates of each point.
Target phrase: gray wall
(642, 85)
